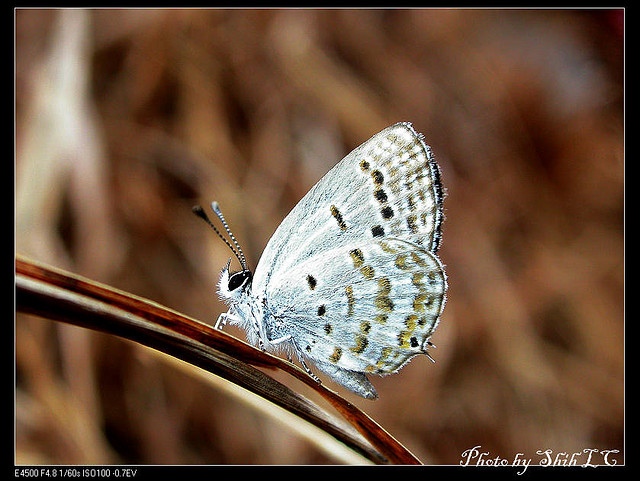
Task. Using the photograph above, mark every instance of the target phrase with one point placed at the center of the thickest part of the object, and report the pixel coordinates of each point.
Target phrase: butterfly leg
(222, 320)
(256, 326)
(280, 340)
(298, 352)
(226, 317)
(304, 364)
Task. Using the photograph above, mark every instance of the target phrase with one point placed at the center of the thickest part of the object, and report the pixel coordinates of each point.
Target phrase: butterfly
(350, 280)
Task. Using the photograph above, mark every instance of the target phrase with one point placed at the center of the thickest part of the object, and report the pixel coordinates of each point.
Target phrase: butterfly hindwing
(367, 308)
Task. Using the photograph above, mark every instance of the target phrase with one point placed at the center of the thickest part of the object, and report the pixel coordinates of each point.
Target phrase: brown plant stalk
(58, 295)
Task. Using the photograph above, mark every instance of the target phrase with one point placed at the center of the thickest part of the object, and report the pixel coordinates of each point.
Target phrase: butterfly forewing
(388, 187)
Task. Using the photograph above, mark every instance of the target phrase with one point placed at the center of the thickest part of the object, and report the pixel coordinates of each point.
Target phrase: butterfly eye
(236, 280)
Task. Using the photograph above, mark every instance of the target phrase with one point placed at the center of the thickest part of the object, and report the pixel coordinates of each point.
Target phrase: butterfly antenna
(199, 211)
(216, 208)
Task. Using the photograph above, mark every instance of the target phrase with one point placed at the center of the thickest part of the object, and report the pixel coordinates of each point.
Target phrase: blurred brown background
(125, 118)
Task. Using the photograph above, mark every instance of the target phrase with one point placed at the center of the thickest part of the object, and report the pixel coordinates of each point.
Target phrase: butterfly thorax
(249, 311)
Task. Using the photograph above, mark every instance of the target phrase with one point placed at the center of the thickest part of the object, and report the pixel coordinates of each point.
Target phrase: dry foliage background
(124, 119)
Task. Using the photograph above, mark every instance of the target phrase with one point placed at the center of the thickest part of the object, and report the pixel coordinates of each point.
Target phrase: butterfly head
(233, 286)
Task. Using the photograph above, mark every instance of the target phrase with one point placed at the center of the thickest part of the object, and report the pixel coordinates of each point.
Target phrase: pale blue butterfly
(350, 280)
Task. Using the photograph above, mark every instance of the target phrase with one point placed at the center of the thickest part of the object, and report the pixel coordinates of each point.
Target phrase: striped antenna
(199, 211)
(216, 208)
